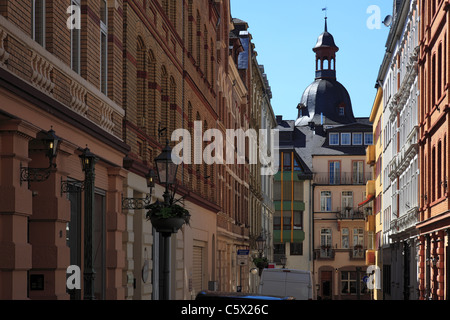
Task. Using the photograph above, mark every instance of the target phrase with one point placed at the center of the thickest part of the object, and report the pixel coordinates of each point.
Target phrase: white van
(286, 282)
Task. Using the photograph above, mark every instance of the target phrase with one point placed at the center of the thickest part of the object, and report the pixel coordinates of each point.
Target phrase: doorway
(326, 285)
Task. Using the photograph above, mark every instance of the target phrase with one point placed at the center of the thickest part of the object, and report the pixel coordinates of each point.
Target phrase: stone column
(47, 228)
(15, 209)
(115, 227)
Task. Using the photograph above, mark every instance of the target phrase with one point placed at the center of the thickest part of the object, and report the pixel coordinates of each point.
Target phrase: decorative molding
(42, 73)
(4, 55)
(78, 102)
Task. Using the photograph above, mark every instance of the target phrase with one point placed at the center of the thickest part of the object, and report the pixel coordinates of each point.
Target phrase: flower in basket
(160, 210)
(261, 262)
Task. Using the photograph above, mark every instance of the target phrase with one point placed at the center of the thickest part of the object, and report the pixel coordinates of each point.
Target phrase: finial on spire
(326, 18)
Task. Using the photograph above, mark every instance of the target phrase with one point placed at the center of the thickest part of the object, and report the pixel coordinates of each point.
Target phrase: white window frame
(325, 201)
(33, 22)
(331, 140)
(348, 136)
(361, 141)
(367, 134)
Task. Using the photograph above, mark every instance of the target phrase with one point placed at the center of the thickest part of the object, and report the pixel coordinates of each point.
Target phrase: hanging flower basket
(261, 263)
(167, 218)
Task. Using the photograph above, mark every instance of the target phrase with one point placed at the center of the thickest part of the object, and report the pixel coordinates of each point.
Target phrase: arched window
(152, 104)
(173, 12)
(164, 98)
(141, 83)
(206, 53)
(199, 34)
(190, 27)
(173, 106)
(326, 64)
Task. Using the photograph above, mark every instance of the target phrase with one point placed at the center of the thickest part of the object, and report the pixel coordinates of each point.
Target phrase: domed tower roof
(325, 100)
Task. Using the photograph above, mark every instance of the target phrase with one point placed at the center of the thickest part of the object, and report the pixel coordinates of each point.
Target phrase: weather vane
(326, 11)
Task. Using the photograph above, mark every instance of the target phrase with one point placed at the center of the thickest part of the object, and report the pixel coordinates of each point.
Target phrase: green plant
(261, 261)
(159, 210)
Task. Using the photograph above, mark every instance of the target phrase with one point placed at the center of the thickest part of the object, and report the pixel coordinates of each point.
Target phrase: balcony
(370, 188)
(349, 213)
(357, 253)
(324, 253)
(370, 223)
(370, 155)
(370, 257)
(343, 178)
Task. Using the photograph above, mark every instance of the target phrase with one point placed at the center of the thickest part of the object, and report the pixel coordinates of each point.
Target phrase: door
(326, 285)
(197, 269)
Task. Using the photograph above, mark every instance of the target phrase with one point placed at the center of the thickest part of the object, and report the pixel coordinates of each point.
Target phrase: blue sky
(285, 31)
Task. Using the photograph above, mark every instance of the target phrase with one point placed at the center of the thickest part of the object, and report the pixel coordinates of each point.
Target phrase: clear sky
(285, 31)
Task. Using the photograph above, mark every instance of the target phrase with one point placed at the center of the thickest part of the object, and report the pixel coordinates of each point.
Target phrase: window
(286, 161)
(345, 238)
(349, 281)
(357, 139)
(346, 139)
(334, 139)
(75, 45)
(358, 172)
(326, 245)
(38, 21)
(296, 249)
(347, 201)
(104, 47)
(358, 237)
(368, 139)
(342, 111)
(298, 220)
(325, 201)
(335, 172)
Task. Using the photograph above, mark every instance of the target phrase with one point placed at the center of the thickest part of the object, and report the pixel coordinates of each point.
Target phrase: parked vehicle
(213, 295)
(287, 282)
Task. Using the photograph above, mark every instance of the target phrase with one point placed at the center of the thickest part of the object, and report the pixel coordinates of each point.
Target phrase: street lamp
(167, 171)
(50, 142)
(260, 243)
(88, 160)
(261, 262)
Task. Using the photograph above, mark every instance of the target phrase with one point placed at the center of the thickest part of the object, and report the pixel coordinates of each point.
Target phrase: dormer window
(346, 139)
(334, 139)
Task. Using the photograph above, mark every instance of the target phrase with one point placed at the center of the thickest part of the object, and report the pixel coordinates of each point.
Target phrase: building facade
(323, 152)
(121, 77)
(400, 159)
(434, 218)
(55, 78)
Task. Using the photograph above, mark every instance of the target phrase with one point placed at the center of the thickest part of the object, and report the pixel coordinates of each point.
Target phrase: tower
(325, 101)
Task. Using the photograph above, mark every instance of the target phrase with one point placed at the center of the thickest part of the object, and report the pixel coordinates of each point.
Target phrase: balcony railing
(324, 253)
(342, 178)
(349, 213)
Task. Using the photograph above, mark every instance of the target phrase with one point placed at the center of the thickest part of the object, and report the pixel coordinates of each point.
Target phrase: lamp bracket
(35, 174)
(72, 186)
(136, 203)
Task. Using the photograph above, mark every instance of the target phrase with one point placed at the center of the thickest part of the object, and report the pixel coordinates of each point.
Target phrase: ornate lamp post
(88, 161)
(260, 262)
(167, 173)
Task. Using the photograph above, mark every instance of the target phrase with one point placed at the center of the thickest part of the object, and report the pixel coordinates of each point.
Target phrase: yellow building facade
(374, 193)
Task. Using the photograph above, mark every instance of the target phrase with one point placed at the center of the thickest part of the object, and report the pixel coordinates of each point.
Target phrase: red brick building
(434, 122)
(52, 77)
